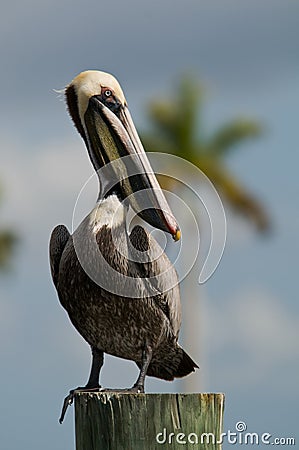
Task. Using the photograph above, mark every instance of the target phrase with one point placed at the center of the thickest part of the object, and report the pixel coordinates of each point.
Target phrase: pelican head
(99, 111)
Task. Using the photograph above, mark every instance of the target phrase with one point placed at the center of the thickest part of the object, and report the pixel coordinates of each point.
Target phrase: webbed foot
(136, 389)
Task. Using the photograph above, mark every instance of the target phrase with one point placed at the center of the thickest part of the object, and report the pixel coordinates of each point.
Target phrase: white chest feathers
(109, 211)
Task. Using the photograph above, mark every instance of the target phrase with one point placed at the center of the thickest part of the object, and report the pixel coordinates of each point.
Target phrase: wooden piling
(119, 421)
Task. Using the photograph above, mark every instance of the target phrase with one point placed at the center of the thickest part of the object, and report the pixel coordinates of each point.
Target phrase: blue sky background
(245, 323)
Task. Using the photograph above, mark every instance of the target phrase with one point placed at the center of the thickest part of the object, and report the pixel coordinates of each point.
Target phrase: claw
(66, 403)
(70, 398)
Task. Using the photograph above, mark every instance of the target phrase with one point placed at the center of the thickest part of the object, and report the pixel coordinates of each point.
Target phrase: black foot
(138, 389)
(70, 398)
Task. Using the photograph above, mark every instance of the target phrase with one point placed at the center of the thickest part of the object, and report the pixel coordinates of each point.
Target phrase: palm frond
(234, 194)
(177, 129)
(233, 133)
(8, 240)
(7, 244)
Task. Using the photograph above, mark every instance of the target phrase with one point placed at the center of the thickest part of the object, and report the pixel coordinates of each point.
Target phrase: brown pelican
(132, 310)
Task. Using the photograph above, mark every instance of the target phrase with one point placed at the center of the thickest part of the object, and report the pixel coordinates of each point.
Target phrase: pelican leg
(138, 387)
(92, 383)
(96, 365)
(146, 359)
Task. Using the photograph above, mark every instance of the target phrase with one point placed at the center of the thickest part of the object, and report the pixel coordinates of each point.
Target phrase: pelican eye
(109, 99)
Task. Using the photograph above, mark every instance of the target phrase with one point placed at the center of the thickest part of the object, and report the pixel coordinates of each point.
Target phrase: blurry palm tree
(7, 242)
(177, 129)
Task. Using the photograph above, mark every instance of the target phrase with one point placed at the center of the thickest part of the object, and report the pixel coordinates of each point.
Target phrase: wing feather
(59, 237)
(167, 299)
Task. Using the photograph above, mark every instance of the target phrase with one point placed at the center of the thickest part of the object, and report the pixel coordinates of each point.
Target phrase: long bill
(113, 138)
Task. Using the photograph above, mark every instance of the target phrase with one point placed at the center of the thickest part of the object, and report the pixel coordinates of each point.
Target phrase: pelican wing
(59, 237)
(160, 273)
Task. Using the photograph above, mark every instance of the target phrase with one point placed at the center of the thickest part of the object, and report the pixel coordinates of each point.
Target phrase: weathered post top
(121, 421)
